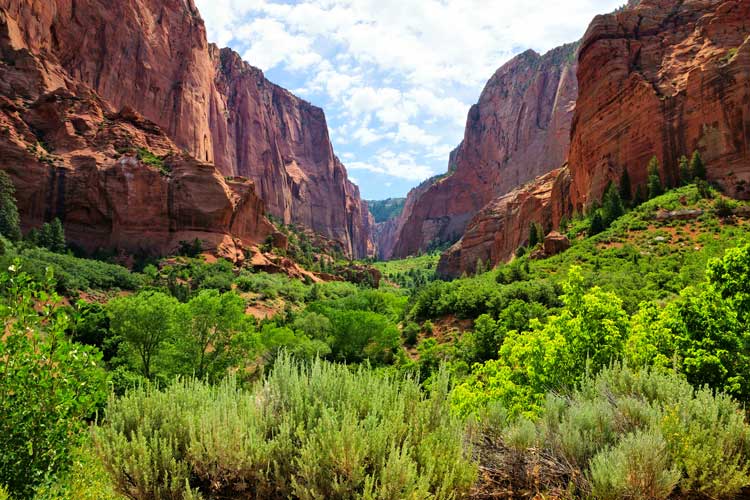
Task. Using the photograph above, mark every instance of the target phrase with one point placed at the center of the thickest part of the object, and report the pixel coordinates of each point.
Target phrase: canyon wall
(660, 78)
(519, 130)
(153, 56)
(663, 79)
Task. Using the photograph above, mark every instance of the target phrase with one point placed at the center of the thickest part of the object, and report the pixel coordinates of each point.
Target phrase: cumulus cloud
(400, 165)
(393, 74)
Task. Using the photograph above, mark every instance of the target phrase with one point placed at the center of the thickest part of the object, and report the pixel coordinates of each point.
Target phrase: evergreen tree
(10, 222)
(686, 176)
(640, 196)
(626, 189)
(533, 235)
(597, 223)
(697, 167)
(655, 187)
(564, 224)
(613, 207)
(58, 236)
(480, 267)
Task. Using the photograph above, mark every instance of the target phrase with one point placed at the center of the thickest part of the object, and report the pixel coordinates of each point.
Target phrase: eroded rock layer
(519, 130)
(153, 56)
(663, 78)
(494, 234)
(660, 78)
(71, 159)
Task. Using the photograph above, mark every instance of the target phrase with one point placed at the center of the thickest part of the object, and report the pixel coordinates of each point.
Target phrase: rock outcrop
(117, 182)
(500, 228)
(153, 56)
(519, 130)
(663, 78)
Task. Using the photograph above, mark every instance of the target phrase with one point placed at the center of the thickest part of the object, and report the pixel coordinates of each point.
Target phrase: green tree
(655, 187)
(52, 236)
(48, 385)
(697, 167)
(534, 237)
(626, 188)
(612, 206)
(730, 278)
(204, 333)
(686, 176)
(587, 335)
(10, 222)
(144, 322)
(597, 224)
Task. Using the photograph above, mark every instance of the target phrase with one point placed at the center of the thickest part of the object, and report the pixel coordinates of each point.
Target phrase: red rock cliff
(153, 55)
(663, 78)
(519, 130)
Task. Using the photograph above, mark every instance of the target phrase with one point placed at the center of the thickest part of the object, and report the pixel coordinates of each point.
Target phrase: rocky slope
(519, 130)
(153, 56)
(660, 78)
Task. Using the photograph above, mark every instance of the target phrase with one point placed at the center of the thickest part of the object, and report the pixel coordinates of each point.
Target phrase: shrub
(305, 432)
(638, 467)
(626, 433)
(48, 385)
(411, 333)
(74, 274)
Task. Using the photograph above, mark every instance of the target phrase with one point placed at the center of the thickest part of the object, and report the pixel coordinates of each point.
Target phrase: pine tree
(626, 189)
(597, 224)
(697, 167)
(564, 224)
(533, 235)
(686, 176)
(480, 268)
(613, 207)
(640, 196)
(10, 222)
(655, 187)
(57, 234)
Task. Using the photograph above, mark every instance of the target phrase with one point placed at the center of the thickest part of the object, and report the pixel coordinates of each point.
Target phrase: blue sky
(396, 78)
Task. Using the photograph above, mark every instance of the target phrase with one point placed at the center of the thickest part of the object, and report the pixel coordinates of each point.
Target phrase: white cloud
(271, 44)
(415, 135)
(394, 74)
(400, 165)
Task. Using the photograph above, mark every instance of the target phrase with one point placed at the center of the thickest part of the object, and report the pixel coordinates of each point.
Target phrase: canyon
(519, 130)
(152, 57)
(122, 120)
(656, 78)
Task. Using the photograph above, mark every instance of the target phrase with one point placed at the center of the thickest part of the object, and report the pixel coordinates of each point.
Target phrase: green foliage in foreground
(703, 334)
(626, 434)
(307, 431)
(48, 385)
(73, 274)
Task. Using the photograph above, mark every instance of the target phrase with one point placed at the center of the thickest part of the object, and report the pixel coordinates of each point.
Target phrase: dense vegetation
(616, 369)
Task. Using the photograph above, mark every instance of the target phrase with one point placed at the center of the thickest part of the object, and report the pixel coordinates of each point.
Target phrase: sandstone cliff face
(495, 233)
(663, 78)
(153, 55)
(70, 159)
(519, 130)
(660, 78)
